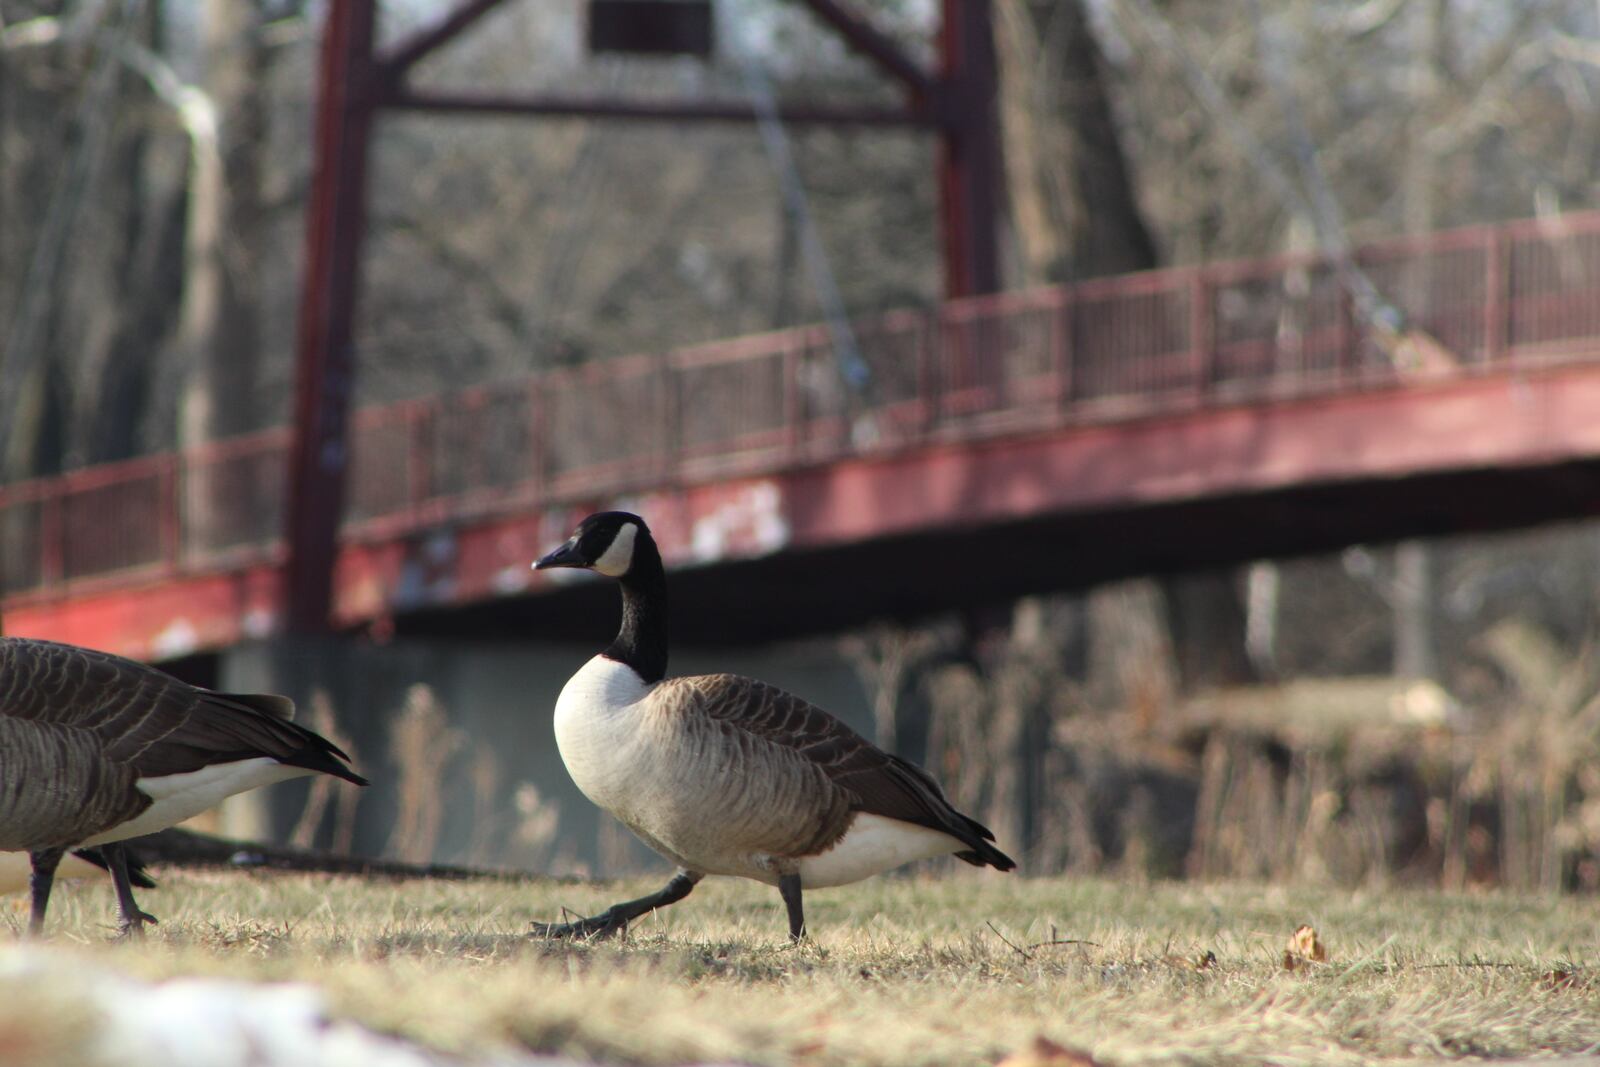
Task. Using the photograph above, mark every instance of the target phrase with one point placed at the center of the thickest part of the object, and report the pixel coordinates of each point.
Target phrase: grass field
(899, 971)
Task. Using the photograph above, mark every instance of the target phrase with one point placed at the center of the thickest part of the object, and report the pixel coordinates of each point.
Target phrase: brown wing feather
(872, 780)
(54, 788)
(770, 798)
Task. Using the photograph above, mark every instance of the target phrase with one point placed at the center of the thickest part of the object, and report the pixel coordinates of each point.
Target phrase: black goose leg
(789, 889)
(44, 863)
(133, 919)
(615, 919)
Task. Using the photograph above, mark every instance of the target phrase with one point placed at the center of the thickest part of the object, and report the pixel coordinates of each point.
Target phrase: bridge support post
(325, 365)
(969, 175)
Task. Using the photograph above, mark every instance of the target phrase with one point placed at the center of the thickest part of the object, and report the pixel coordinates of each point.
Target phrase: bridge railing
(1132, 346)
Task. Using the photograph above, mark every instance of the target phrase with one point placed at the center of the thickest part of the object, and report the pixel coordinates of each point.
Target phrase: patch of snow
(217, 1022)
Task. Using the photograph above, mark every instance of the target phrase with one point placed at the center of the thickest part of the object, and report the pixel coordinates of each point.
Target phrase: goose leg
(132, 919)
(789, 889)
(44, 863)
(615, 919)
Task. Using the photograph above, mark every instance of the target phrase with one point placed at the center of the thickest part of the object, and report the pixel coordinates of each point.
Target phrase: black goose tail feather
(264, 723)
(983, 853)
(136, 870)
(986, 855)
(323, 755)
(944, 816)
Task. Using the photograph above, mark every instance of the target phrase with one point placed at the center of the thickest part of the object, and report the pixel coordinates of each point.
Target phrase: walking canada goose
(727, 775)
(95, 749)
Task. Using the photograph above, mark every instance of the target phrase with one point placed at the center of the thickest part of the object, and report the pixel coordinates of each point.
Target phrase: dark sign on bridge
(652, 27)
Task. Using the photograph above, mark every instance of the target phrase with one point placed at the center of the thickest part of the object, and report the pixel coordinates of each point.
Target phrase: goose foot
(596, 927)
(131, 927)
(614, 920)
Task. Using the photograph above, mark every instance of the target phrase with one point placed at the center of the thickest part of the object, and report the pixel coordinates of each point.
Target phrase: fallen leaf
(1304, 947)
(1202, 961)
(1563, 979)
(1046, 1053)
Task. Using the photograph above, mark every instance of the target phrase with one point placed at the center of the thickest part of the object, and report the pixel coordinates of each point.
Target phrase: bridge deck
(1035, 440)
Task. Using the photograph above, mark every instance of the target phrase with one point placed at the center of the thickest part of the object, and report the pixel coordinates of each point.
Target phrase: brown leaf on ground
(1304, 947)
(1563, 979)
(1046, 1053)
(1200, 961)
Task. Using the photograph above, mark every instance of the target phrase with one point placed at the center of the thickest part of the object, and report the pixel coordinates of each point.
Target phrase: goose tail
(983, 854)
(137, 875)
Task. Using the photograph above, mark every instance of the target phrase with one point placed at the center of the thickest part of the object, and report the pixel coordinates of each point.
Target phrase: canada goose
(727, 775)
(95, 749)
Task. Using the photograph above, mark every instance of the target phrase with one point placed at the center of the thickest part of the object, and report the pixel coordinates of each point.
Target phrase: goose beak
(565, 556)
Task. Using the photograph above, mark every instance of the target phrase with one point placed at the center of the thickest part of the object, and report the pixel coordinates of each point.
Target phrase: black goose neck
(642, 641)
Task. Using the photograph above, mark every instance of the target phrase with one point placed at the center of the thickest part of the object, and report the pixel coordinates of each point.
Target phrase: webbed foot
(597, 927)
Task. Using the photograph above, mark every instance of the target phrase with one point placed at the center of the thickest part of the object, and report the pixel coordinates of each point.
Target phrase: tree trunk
(1206, 617)
(219, 328)
(146, 265)
(1416, 611)
(1415, 595)
(1072, 188)
(1077, 216)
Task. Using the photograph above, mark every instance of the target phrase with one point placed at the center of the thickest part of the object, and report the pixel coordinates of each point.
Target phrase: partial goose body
(95, 749)
(728, 775)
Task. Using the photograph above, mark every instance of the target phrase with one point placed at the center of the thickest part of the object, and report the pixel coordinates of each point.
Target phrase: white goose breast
(597, 731)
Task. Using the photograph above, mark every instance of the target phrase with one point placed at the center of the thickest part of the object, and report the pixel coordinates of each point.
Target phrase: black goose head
(618, 544)
(606, 542)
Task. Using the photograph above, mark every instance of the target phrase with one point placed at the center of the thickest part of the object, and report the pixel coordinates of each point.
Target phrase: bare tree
(219, 331)
(1078, 215)
(1072, 185)
(885, 658)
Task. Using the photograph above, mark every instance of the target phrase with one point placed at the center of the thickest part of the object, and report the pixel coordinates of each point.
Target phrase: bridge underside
(948, 527)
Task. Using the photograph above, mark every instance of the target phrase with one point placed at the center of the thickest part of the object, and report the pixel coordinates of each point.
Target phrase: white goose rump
(176, 797)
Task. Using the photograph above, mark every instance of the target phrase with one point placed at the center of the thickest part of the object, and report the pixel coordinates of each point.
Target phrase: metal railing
(1140, 345)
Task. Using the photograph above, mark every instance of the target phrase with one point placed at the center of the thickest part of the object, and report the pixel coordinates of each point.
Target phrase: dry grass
(901, 971)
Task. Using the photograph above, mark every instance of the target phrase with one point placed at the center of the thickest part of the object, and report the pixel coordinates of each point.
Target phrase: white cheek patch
(617, 558)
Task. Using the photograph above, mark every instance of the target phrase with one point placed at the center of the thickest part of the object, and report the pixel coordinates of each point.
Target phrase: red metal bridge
(1004, 444)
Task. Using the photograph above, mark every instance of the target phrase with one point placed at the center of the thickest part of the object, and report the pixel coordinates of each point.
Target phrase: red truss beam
(402, 99)
(356, 81)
